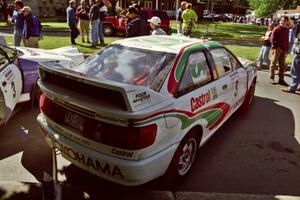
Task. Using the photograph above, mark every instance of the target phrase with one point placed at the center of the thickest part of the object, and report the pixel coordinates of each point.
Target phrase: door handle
(224, 87)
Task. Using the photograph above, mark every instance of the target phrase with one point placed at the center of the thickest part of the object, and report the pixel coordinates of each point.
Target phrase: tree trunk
(5, 9)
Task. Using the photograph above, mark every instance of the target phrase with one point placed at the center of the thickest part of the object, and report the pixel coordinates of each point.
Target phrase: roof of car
(165, 43)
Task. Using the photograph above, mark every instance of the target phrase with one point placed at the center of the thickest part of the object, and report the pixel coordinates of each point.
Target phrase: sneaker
(287, 90)
(273, 81)
(282, 82)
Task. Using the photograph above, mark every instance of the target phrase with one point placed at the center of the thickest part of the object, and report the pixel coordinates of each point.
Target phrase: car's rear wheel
(183, 159)
(108, 30)
(249, 98)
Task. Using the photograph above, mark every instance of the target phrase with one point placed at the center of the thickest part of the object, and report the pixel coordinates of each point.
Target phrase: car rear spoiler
(130, 98)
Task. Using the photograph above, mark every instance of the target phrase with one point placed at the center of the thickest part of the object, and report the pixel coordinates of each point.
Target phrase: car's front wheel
(108, 30)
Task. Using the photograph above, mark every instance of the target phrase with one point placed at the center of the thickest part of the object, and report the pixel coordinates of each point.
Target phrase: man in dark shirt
(18, 20)
(136, 25)
(280, 45)
(72, 20)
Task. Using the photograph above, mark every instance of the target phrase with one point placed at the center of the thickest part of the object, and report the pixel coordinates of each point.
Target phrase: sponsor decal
(9, 75)
(141, 98)
(85, 160)
(122, 153)
(214, 93)
(198, 102)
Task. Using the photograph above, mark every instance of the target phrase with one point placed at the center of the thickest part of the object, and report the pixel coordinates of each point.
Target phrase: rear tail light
(130, 138)
(52, 110)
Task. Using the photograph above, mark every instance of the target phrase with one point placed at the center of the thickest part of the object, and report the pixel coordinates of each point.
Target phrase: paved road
(256, 153)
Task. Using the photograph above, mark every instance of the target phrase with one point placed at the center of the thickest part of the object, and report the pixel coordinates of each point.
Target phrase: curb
(20, 190)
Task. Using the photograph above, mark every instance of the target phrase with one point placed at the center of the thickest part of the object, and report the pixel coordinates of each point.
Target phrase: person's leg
(17, 37)
(101, 35)
(95, 35)
(281, 61)
(30, 42)
(274, 58)
(81, 23)
(266, 55)
(260, 57)
(295, 73)
(87, 30)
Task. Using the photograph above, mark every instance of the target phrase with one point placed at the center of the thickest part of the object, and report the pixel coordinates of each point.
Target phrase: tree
(264, 7)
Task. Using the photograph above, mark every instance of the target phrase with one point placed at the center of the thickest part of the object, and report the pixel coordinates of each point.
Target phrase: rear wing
(130, 98)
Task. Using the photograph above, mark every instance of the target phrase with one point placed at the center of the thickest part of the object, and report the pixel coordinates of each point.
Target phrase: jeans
(95, 31)
(264, 56)
(18, 36)
(179, 28)
(295, 73)
(101, 35)
(278, 56)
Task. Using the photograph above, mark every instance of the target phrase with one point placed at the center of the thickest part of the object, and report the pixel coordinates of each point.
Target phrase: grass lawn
(214, 31)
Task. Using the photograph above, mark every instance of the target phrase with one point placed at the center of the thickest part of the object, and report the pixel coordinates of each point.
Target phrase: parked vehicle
(113, 24)
(18, 73)
(141, 107)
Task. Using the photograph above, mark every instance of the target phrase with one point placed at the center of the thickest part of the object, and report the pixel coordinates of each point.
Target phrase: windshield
(128, 65)
(7, 55)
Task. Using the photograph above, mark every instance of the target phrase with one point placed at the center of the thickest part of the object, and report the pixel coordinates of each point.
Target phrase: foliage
(264, 8)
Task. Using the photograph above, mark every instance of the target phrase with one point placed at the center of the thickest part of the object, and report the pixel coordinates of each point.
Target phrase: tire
(182, 160)
(108, 30)
(249, 98)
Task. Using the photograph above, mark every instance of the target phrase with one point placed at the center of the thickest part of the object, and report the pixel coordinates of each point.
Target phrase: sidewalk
(17, 190)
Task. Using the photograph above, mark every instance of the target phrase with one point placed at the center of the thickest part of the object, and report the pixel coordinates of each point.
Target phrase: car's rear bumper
(121, 171)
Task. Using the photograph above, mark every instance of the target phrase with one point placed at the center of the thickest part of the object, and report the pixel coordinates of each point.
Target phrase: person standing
(18, 20)
(265, 49)
(72, 20)
(155, 26)
(32, 28)
(94, 17)
(295, 69)
(280, 46)
(82, 13)
(102, 14)
(179, 18)
(189, 18)
(136, 25)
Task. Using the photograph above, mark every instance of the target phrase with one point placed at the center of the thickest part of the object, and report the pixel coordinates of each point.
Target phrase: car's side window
(196, 72)
(222, 61)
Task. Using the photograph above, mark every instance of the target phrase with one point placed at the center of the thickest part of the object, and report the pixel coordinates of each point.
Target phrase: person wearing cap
(18, 20)
(72, 20)
(136, 25)
(155, 26)
(32, 28)
(189, 18)
(179, 18)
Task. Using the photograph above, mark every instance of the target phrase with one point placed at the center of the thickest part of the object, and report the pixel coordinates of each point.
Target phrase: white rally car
(18, 73)
(141, 107)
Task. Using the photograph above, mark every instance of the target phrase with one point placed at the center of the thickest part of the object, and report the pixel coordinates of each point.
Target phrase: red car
(113, 24)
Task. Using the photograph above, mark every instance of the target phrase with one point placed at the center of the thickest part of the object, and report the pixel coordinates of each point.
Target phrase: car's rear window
(128, 65)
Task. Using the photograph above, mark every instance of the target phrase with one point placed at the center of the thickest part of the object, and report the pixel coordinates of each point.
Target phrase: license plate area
(74, 120)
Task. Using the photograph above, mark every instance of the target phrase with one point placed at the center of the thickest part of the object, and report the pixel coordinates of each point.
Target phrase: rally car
(141, 107)
(18, 73)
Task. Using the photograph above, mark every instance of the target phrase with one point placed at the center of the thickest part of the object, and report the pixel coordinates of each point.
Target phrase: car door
(232, 77)
(10, 83)
(197, 98)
